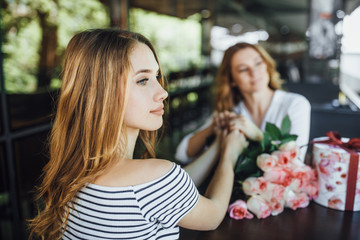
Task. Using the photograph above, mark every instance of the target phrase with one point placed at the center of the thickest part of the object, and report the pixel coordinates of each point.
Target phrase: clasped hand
(230, 122)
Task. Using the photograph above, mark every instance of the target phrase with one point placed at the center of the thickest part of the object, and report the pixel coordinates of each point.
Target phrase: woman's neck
(132, 136)
(258, 103)
(113, 172)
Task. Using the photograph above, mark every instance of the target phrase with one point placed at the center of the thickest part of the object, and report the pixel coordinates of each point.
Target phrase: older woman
(249, 95)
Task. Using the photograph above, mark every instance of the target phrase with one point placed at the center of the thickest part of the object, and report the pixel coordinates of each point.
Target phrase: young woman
(248, 95)
(112, 93)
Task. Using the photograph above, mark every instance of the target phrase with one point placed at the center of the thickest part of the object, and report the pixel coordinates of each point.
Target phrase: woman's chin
(154, 126)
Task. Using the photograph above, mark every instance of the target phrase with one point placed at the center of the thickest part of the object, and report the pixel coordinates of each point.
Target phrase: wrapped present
(337, 163)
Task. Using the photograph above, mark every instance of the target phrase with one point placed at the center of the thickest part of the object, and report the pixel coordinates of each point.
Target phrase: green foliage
(22, 40)
(179, 47)
(20, 50)
(79, 15)
(272, 140)
(177, 41)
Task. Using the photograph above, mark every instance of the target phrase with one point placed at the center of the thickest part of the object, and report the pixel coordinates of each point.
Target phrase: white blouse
(283, 103)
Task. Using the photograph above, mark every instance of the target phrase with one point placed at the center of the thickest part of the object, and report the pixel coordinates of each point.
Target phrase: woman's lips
(159, 111)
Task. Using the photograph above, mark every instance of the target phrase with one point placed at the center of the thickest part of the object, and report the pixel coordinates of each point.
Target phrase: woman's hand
(232, 145)
(246, 126)
(222, 120)
(219, 121)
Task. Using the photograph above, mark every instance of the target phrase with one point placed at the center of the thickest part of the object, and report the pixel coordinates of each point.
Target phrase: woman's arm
(220, 121)
(181, 150)
(198, 140)
(211, 209)
(200, 168)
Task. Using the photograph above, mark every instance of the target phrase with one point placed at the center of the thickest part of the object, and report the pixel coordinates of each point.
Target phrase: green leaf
(288, 138)
(239, 163)
(253, 150)
(273, 131)
(246, 165)
(266, 141)
(285, 125)
(272, 148)
(258, 173)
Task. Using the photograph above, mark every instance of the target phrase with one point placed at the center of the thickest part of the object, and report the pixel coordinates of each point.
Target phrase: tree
(36, 34)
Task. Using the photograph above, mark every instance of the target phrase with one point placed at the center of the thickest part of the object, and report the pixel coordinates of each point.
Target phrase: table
(312, 223)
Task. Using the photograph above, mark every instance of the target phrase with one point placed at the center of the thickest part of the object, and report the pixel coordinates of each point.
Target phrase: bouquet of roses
(269, 176)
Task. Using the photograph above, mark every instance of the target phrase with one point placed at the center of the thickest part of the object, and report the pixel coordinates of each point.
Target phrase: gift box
(337, 163)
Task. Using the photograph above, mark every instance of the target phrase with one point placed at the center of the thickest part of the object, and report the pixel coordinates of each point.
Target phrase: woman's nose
(253, 72)
(161, 94)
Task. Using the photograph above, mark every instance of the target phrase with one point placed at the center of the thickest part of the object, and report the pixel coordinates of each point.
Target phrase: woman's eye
(142, 81)
(259, 63)
(243, 69)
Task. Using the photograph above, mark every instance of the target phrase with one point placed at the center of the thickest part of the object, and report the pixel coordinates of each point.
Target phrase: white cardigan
(295, 105)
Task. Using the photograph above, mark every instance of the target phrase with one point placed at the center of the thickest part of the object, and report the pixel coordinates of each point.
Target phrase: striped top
(146, 211)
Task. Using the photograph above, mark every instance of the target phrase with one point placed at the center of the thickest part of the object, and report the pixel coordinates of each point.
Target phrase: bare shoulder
(147, 170)
(135, 172)
(156, 167)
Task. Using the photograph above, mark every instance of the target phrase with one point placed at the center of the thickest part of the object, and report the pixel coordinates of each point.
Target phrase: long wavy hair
(227, 95)
(89, 133)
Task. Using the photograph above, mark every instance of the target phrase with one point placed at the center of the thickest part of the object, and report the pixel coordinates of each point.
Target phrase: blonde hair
(88, 134)
(227, 96)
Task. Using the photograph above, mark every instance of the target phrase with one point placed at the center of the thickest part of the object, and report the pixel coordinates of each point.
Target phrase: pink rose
(265, 161)
(238, 210)
(296, 163)
(284, 158)
(301, 176)
(276, 206)
(248, 186)
(295, 185)
(257, 205)
(295, 200)
(273, 191)
(279, 175)
(291, 148)
(253, 185)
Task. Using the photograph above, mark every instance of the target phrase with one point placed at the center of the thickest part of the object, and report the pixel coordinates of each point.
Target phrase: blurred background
(315, 44)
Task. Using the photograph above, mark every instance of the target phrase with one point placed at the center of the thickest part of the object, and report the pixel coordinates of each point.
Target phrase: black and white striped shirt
(146, 211)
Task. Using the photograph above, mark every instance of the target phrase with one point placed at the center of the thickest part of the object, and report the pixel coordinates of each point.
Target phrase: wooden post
(206, 25)
(119, 13)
